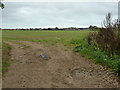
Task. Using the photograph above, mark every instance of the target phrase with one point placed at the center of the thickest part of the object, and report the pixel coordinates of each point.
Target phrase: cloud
(52, 14)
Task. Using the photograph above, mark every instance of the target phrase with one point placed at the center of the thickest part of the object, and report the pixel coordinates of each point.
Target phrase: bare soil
(63, 69)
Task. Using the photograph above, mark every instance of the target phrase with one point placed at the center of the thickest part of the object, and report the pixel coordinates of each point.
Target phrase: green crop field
(44, 36)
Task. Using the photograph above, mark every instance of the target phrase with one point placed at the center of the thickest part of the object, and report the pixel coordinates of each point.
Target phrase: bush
(107, 38)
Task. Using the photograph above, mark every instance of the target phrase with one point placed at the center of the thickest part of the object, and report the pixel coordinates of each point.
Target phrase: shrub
(107, 38)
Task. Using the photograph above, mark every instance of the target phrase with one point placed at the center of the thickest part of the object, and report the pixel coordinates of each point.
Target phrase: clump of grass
(5, 57)
(97, 55)
(75, 41)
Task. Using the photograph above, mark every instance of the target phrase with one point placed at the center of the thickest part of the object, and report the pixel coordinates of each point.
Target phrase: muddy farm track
(63, 68)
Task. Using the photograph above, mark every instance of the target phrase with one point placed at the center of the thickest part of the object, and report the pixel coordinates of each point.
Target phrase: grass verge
(97, 55)
(5, 57)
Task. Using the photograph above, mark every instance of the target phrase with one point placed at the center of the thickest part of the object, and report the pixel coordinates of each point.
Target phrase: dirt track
(64, 68)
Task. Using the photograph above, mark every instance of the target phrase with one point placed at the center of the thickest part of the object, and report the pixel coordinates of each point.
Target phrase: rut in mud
(63, 69)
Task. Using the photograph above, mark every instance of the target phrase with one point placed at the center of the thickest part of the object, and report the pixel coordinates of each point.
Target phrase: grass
(5, 57)
(97, 55)
(50, 37)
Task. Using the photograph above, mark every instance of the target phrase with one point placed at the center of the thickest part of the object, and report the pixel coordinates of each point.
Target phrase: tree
(93, 27)
(56, 28)
(2, 5)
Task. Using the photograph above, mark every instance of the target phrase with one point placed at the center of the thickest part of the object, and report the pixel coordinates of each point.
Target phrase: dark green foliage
(2, 5)
(93, 28)
(56, 28)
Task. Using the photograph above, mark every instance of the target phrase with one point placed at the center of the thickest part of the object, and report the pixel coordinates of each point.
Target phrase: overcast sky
(56, 14)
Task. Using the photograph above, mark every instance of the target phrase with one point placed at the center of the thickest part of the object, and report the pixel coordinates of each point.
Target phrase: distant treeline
(48, 29)
(56, 28)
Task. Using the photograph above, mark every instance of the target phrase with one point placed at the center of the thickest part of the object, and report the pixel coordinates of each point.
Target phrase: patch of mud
(80, 73)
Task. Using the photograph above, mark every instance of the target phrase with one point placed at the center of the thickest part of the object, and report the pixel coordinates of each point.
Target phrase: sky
(56, 14)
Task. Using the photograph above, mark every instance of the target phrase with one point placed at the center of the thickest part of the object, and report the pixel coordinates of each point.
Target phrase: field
(44, 36)
(65, 67)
